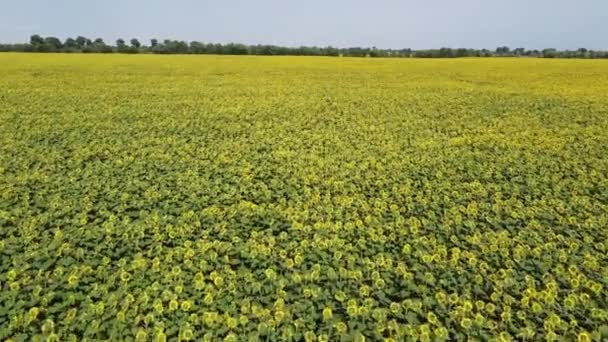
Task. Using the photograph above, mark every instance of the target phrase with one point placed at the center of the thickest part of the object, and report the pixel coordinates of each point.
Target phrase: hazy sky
(342, 23)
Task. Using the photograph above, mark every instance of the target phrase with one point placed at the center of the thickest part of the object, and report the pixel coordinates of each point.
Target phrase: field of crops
(319, 199)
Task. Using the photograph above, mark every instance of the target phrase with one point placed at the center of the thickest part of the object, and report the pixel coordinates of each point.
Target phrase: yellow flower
(351, 310)
(441, 298)
(208, 299)
(71, 314)
(231, 322)
(186, 305)
(230, 338)
(466, 323)
(327, 314)
(14, 286)
(467, 306)
(187, 334)
(218, 281)
(341, 327)
(279, 315)
(125, 276)
(209, 318)
(33, 314)
(583, 337)
(73, 280)
(158, 306)
(52, 337)
(173, 305)
(141, 335)
(479, 319)
(270, 274)
(442, 333)
(504, 337)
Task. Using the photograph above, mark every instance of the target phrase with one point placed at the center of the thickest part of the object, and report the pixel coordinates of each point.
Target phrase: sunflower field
(218, 198)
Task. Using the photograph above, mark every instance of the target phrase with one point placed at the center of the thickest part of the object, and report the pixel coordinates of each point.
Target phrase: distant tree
(81, 41)
(175, 46)
(70, 43)
(332, 51)
(423, 54)
(460, 52)
(503, 51)
(582, 53)
(446, 52)
(356, 52)
(235, 49)
(549, 53)
(36, 40)
(519, 51)
(485, 53)
(121, 45)
(197, 47)
(52, 43)
(405, 52)
(375, 52)
(181, 47)
(135, 43)
(103, 47)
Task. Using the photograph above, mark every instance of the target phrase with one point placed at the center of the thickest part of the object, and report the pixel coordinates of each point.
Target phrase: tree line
(82, 44)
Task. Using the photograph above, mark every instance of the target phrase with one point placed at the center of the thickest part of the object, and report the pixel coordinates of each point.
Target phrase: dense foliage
(316, 199)
(168, 46)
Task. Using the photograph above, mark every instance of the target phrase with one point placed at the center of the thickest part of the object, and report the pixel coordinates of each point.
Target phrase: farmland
(305, 198)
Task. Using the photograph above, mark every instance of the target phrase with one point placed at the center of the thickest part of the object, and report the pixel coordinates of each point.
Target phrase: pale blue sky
(563, 24)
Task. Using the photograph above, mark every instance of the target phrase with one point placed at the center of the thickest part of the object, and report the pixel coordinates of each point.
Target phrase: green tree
(582, 53)
(52, 43)
(81, 41)
(549, 53)
(197, 47)
(120, 45)
(446, 53)
(135, 43)
(503, 51)
(70, 43)
(36, 40)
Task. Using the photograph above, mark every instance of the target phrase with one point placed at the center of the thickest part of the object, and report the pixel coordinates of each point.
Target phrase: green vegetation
(258, 198)
(168, 46)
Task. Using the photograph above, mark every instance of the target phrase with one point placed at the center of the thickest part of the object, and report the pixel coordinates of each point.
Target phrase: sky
(418, 24)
